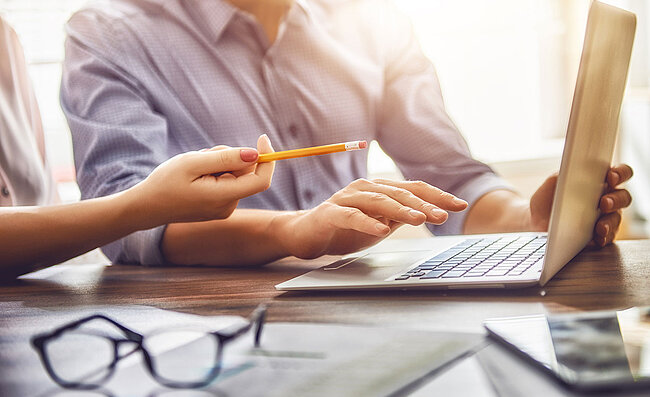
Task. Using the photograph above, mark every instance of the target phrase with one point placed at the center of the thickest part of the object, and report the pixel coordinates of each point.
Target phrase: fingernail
(437, 212)
(415, 214)
(248, 155)
(458, 201)
(606, 228)
(381, 227)
(615, 178)
(609, 203)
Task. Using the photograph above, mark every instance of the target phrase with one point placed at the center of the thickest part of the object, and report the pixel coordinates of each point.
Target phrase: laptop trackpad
(381, 264)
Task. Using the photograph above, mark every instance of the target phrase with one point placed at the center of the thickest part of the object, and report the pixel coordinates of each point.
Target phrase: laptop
(516, 259)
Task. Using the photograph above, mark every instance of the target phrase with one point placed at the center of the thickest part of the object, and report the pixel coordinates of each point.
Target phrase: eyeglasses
(84, 354)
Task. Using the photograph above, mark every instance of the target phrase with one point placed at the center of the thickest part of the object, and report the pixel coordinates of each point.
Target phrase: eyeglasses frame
(39, 342)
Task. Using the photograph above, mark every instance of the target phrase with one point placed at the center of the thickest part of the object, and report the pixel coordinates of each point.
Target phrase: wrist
(141, 212)
(282, 230)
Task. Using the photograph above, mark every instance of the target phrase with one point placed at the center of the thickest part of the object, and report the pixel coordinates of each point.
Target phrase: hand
(190, 188)
(611, 203)
(362, 214)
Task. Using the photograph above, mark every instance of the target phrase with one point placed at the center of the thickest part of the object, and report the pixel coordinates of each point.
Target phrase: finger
(255, 182)
(241, 186)
(211, 162)
(247, 170)
(606, 228)
(614, 201)
(214, 148)
(405, 197)
(619, 174)
(380, 205)
(431, 194)
(265, 170)
(350, 218)
(263, 146)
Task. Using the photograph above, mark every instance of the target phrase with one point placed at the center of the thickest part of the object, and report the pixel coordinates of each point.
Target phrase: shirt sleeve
(418, 134)
(118, 138)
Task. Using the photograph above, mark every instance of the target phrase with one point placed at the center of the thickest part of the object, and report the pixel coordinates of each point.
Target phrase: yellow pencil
(312, 151)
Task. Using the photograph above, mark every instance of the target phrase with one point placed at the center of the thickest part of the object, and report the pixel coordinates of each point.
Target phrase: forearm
(33, 237)
(499, 211)
(247, 237)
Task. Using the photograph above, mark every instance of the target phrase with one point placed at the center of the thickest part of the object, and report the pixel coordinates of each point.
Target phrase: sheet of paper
(293, 359)
(298, 359)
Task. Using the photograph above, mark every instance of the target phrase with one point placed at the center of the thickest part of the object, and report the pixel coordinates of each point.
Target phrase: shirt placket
(289, 121)
(6, 199)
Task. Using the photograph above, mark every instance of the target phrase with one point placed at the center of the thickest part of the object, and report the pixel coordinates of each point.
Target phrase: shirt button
(293, 130)
(309, 195)
(5, 191)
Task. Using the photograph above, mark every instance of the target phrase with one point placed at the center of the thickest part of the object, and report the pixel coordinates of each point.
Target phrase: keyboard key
(487, 256)
(497, 272)
(445, 256)
(454, 274)
(445, 267)
(434, 274)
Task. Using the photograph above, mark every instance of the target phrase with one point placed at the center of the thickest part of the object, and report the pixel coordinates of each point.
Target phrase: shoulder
(8, 38)
(116, 10)
(105, 22)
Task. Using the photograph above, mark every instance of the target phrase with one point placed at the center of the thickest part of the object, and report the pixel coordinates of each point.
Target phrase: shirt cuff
(470, 192)
(142, 247)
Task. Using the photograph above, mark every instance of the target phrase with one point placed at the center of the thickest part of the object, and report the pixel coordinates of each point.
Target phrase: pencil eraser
(363, 144)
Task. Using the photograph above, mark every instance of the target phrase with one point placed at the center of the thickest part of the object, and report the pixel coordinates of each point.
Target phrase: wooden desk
(615, 277)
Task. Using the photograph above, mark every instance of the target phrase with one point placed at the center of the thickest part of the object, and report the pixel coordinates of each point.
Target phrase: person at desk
(34, 233)
(186, 74)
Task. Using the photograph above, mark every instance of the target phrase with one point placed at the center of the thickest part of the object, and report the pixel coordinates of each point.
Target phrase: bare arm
(499, 211)
(32, 237)
(359, 215)
(247, 237)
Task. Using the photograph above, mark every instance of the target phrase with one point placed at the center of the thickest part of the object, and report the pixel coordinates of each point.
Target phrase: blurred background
(507, 70)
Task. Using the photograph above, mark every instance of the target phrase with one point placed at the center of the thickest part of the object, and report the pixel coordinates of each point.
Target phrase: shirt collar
(213, 15)
(216, 15)
(306, 8)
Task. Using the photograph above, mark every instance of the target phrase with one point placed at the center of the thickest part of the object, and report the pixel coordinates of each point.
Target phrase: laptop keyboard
(490, 256)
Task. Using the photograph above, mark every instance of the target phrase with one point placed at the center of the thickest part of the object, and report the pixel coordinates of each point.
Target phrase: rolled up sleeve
(118, 138)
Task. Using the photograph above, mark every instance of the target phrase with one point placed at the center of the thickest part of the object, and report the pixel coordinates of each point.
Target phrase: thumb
(212, 162)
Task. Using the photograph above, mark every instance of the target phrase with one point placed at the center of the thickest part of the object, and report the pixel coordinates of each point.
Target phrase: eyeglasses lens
(185, 356)
(82, 358)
